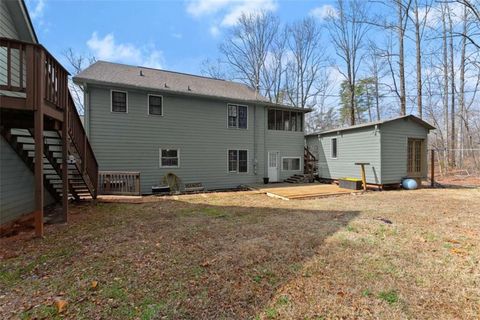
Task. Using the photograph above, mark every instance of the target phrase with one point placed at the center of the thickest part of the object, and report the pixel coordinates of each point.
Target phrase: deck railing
(119, 182)
(33, 74)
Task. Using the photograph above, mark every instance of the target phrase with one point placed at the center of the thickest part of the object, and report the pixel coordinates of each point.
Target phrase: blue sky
(174, 35)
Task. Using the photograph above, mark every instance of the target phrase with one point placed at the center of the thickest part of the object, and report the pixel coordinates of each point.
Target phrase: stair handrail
(78, 136)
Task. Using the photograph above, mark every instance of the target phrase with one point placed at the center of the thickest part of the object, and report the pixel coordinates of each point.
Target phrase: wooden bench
(194, 187)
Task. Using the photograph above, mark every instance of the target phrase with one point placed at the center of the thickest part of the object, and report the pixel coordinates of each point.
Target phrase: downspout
(255, 160)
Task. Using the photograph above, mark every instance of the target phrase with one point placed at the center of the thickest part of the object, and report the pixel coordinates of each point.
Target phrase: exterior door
(273, 166)
(415, 157)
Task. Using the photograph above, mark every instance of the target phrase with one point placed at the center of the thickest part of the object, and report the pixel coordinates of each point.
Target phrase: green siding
(384, 146)
(395, 135)
(198, 127)
(361, 145)
(17, 190)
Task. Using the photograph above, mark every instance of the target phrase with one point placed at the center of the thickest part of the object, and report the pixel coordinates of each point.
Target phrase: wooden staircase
(23, 143)
(39, 120)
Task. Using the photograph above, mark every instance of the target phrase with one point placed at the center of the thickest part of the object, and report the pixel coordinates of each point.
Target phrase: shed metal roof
(374, 123)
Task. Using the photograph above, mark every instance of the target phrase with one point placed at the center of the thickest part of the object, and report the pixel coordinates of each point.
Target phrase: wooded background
(368, 60)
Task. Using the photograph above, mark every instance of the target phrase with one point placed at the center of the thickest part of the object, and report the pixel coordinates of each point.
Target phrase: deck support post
(65, 181)
(39, 192)
(38, 100)
(432, 168)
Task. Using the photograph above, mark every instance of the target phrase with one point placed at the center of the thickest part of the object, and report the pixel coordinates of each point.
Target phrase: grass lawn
(248, 256)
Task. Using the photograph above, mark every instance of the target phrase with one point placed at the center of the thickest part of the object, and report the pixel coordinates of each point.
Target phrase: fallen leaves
(61, 305)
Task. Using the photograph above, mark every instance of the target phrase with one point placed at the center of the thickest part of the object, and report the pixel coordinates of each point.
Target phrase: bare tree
(419, 23)
(247, 47)
(273, 75)
(309, 58)
(76, 63)
(453, 134)
(348, 32)
(214, 69)
(403, 8)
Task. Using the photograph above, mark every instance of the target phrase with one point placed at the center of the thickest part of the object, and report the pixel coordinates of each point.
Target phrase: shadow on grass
(169, 259)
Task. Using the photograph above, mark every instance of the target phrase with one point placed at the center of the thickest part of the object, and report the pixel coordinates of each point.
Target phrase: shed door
(273, 166)
(415, 157)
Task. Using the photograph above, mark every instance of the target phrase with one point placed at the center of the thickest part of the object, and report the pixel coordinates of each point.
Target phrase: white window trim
(237, 128)
(238, 161)
(331, 148)
(160, 158)
(299, 161)
(148, 105)
(111, 100)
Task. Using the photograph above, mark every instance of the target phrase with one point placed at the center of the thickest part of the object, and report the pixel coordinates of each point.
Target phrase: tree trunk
(452, 93)
(419, 62)
(461, 99)
(401, 62)
(445, 80)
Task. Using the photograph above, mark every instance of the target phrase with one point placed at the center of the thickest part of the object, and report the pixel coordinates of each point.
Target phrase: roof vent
(166, 85)
(189, 89)
(141, 73)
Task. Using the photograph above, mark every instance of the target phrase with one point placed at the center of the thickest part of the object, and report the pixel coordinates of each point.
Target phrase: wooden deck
(287, 191)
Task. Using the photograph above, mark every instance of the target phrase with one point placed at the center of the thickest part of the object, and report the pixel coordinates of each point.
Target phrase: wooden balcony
(34, 95)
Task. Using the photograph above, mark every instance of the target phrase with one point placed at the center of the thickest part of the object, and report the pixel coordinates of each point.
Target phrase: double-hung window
(155, 105)
(238, 161)
(119, 101)
(237, 116)
(169, 158)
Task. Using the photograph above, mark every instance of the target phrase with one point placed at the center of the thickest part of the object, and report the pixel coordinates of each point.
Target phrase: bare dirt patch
(242, 256)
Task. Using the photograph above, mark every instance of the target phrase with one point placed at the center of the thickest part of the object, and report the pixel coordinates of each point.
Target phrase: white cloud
(434, 14)
(247, 7)
(107, 49)
(227, 12)
(177, 35)
(323, 12)
(214, 31)
(37, 12)
(199, 8)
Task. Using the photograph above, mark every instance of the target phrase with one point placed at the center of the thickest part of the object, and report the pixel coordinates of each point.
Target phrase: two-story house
(220, 133)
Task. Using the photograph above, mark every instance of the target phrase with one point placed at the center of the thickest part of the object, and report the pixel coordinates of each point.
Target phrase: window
(271, 119)
(169, 158)
(155, 105)
(334, 148)
(414, 156)
(285, 120)
(291, 163)
(293, 121)
(237, 116)
(278, 120)
(237, 160)
(119, 101)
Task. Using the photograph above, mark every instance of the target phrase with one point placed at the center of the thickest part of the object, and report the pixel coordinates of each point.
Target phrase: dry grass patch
(244, 255)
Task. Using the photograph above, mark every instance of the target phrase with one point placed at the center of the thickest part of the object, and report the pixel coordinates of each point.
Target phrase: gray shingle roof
(374, 123)
(102, 72)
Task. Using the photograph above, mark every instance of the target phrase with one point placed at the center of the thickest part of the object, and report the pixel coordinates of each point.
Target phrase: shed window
(119, 101)
(155, 105)
(169, 158)
(334, 148)
(291, 163)
(237, 116)
(237, 160)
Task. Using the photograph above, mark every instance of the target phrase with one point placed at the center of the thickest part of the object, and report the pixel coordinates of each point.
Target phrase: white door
(273, 166)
